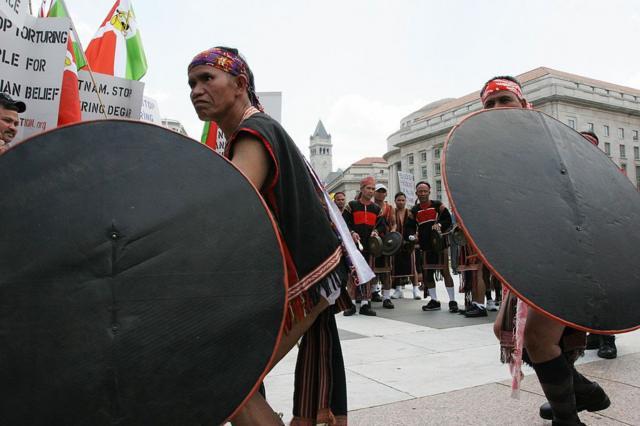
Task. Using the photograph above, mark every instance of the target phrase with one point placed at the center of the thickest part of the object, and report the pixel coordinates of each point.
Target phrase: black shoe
(375, 297)
(594, 400)
(387, 303)
(366, 310)
(433, 305)
(608, 348)
(453, 306)
(350, 311)
(476, 312)
(593, 341)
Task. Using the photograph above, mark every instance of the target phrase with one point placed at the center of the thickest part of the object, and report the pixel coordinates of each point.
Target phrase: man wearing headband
(223, 90)
(549, 347)
(364, 221)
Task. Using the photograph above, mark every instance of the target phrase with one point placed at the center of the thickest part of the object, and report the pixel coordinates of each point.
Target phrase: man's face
(8, 125)
(401, 202)
(367, 191)
(503, 98)
(380, 195)
(423, 191)
(340, 200)
(213, 92)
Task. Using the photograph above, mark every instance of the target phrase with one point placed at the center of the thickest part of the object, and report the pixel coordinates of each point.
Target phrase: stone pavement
(409, 367)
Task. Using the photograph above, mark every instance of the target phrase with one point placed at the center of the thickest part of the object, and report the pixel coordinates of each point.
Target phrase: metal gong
(141, 280)
(550, 214)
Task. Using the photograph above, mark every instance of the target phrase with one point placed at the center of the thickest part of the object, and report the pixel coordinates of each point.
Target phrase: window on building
(620, 133)
(607, 148)
(605, 128)
(410, 159)
(437, 169)
(423, 172)
(638, 177)
(623, 151)
(636, 153)
(635, 135)
(572, 123)
(423, 156)
(590, 127)
(411, 171)
(436, 153)
(438, 186)
(623, 168)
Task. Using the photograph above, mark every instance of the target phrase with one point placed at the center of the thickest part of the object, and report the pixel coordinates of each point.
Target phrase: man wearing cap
(9, 121)
(388, 214)
(549, 346)
(364, 221)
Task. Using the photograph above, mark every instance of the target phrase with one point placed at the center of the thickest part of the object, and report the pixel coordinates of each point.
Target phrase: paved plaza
(409, 367)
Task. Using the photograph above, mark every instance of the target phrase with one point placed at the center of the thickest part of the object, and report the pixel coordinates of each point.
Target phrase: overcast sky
(361, 66)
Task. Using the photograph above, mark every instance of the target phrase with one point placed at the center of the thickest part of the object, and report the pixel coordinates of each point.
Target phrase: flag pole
(84, 57)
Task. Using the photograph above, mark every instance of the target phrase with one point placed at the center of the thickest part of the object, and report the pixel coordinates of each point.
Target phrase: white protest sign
(32, 53)
(121, 98)
(406, 183)
(150, 111)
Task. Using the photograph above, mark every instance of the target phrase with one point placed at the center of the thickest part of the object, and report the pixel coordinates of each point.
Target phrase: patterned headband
(231, 63)
(500, 84)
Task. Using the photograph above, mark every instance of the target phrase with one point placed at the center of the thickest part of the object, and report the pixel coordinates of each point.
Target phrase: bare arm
(251, 157)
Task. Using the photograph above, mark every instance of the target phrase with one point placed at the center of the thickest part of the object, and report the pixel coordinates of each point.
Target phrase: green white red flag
(116, 49)
(57, 9)
(213, 137)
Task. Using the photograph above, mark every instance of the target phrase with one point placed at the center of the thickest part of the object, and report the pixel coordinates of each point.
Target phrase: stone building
(348, 181)
(320, 152)
(610, 110)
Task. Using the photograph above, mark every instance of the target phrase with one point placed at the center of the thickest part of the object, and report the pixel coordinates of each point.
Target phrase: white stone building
(611, 111)
(348, 181)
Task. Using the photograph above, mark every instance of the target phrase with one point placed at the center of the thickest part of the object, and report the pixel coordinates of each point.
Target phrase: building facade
(348, 181)
(611, 111)
(320, 152)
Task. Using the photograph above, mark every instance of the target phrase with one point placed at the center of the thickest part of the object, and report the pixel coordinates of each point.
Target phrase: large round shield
(141, 280)
(550, 214)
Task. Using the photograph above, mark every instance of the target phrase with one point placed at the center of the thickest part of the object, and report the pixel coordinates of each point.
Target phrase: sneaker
(387, 303)
(453, 306)
(594, 400)
(397, 294)
(491, 306)
(433, 305)
(593, 341)
(416, 294)
(608, 348)
(375, 297)
(366, 310)
(476, 311)
(350, 311)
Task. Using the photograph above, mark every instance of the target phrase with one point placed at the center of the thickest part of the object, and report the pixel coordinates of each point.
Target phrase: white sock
(433, 294)
(378, 287)
(386, 294)
(399, 287)
(364, 303)
(452, 294)
(416, 290)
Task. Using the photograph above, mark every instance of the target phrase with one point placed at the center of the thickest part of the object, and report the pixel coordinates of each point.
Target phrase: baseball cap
(380, 186)
(8, 102)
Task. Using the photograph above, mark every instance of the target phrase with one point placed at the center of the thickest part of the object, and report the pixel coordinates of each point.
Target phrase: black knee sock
(556, 379)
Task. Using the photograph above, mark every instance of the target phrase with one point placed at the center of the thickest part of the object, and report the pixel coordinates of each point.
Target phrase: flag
(69, 109)
(213, 137)
(57, 9)
(116, 49)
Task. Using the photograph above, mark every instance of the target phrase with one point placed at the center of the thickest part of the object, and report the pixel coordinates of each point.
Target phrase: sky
(361, 66)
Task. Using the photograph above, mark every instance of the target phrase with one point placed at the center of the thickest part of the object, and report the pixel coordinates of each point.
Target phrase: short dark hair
(501, 77)
(590, 133)
(339, 192)
(423, 182)
(399, 194)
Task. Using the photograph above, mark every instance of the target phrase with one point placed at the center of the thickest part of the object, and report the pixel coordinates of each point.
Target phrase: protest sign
(150, 111)
(406, 183)
(32, 53)
(111, 96)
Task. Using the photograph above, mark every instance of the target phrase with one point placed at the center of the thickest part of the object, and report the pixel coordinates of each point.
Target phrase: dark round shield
(550, 214)
(141, 280)
(375, 246)
(391, 243)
